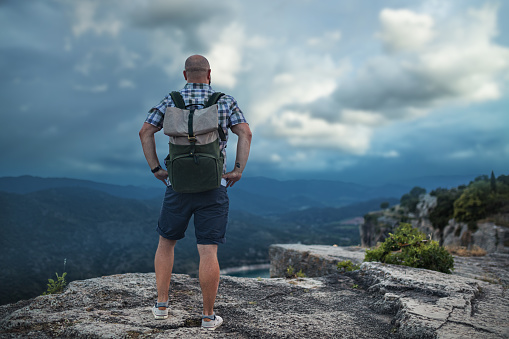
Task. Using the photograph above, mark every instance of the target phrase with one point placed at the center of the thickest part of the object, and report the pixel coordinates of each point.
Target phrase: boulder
(313, 260)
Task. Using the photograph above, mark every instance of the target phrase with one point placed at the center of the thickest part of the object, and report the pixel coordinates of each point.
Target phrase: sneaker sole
(212, 328)
(159, 317)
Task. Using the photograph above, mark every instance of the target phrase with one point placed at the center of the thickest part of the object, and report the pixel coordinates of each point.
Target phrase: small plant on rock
(56, 286)
(347, 266)
(409, 247)
(291, 274)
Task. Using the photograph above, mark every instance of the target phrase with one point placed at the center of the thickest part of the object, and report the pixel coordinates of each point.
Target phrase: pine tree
(493, 182)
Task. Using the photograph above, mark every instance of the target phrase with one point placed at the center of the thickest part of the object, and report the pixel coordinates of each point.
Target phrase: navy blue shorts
(210, 211)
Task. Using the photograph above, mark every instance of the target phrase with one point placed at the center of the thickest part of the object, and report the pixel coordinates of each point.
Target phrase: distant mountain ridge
(257, 195)
(28, 184)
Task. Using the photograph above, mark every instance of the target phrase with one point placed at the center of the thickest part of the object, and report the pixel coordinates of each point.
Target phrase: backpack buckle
(191, 138)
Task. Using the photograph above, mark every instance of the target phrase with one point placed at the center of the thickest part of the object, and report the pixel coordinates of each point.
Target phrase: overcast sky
(362, 91)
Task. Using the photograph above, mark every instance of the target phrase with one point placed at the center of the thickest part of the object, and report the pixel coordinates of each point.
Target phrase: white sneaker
(215, 321)
(160, 314)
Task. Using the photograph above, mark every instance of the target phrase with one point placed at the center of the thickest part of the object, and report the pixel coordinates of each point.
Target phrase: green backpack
(195, 162)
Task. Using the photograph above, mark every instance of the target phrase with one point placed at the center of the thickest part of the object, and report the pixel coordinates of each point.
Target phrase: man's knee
(207, 250)
(163, 242)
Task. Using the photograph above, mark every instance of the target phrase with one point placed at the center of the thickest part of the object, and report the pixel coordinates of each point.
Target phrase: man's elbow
(245, 133)
(146, 131)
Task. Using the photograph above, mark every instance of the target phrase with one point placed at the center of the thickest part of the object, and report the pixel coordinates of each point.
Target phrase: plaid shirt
(198, 94)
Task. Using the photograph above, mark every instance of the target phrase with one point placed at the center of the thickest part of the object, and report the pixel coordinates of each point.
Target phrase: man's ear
(185, 75)
(208, 74)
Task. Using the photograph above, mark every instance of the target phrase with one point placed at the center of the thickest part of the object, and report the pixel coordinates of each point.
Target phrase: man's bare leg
(209, 276)
(163, 263)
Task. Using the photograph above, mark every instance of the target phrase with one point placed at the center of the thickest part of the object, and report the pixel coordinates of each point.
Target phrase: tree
(444, 210)
(411, 199)
(493, 182)
(384, 205)
(471, 205)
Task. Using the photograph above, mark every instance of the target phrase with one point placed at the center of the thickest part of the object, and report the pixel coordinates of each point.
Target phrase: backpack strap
(214, 98)
(178, 100)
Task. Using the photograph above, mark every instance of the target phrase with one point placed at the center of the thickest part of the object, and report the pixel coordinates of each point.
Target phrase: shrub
(408, 246)
(56, 286)
(347, 266)
(290, 273)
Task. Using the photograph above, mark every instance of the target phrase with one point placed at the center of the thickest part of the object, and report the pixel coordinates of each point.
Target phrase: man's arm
(148, 143)
(243, 146)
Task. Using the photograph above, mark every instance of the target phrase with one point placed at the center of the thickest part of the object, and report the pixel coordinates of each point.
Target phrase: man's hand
(243, 145)
(149, 149)
(162, 175)
(232, 177)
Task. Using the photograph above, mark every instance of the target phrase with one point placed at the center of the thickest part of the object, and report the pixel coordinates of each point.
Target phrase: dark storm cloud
(77, 79)
(182, 18)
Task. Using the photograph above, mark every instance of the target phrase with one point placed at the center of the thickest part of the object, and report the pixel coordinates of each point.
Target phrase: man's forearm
(243, 148)
(148, 144)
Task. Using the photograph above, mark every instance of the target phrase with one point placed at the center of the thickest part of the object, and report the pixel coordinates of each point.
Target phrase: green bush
(347, 266)
(56, 286)
(409, 247)
(291, 274)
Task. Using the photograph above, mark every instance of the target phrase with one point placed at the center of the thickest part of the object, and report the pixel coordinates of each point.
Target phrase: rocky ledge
(473, 302)
(119, 306)
(378, 301)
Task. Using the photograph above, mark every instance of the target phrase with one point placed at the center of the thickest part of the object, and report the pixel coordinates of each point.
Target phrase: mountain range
(89, 229)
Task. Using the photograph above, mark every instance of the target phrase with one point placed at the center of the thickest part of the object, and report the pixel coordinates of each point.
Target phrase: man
(210, 208)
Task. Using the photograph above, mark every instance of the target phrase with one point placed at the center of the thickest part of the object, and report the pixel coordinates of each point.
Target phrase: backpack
(194, 162)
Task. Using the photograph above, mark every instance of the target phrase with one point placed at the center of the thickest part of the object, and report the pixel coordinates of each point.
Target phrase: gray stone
(119, 306)
(426, 304)
(313, 260)
(377, 301)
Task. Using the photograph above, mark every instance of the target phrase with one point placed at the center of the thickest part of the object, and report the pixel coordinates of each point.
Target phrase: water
(257, 273)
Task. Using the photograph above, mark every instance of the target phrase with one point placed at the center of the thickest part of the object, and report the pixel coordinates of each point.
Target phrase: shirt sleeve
(236, 115)
(156, 114)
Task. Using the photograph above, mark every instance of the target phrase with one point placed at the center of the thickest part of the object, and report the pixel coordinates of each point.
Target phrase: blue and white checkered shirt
(198, 94)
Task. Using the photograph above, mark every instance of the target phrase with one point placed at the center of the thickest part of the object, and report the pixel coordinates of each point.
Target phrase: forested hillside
(97, 234)
(484, 197)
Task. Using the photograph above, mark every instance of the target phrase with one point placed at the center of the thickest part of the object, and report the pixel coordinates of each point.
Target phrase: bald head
(197, 69)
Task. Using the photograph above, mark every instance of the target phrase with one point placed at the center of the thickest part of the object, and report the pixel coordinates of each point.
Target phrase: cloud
(404, 30)
(86, 20)
(183, 23)
(328, 38)
(92, 89)
(163, 13)
(302, 130)
(125, 83)
(225, 56)
(460, 64)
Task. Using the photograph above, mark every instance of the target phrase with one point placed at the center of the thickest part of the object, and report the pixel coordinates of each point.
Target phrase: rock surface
(313, 260)
(378, 301)
(474, 301)
(119, 306)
